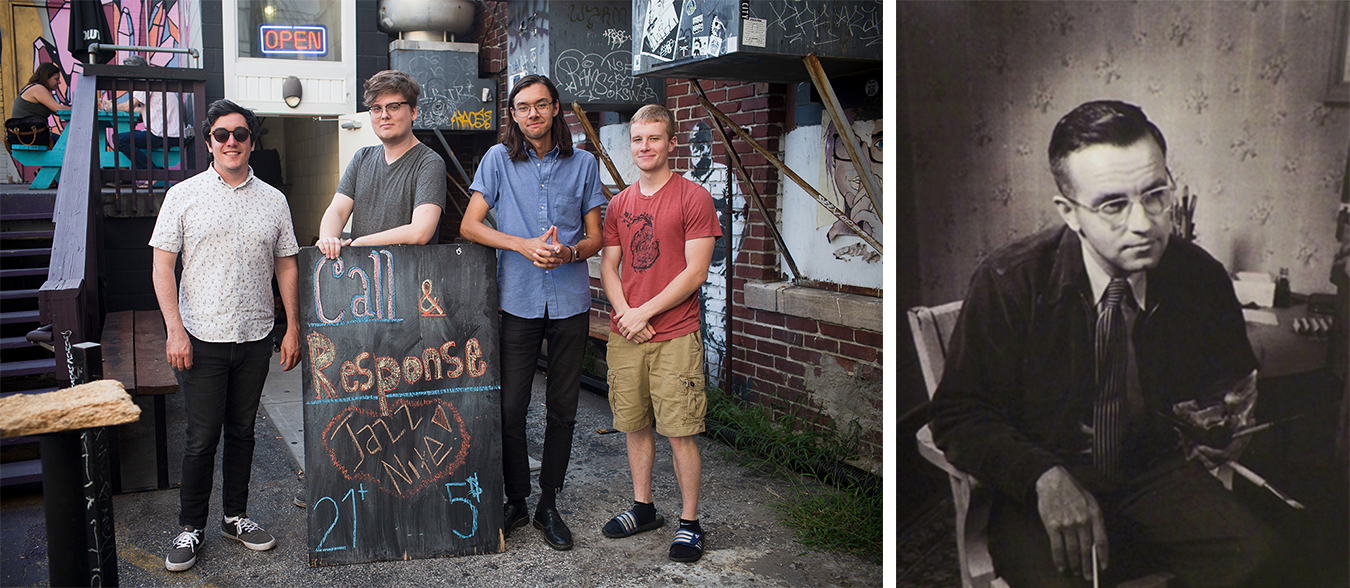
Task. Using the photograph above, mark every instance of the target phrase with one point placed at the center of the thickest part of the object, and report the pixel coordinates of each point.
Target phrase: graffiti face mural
(712, 296)
(844, 185)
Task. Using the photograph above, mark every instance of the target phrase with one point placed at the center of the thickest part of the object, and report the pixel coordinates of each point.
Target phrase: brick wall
(822, 371)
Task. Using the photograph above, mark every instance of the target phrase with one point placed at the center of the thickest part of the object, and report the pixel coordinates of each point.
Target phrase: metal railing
(169, 159)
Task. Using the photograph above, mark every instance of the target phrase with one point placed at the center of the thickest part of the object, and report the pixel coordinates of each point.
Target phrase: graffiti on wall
(844, 186)
(712, 297)
(526, 40)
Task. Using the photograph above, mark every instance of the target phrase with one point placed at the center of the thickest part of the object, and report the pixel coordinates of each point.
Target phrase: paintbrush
(1261, 482)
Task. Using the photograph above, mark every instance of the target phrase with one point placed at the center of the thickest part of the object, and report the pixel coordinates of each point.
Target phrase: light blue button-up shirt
(528, 197)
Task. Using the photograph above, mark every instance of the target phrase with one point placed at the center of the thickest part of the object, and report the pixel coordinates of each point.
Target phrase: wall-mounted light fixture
(292, 91)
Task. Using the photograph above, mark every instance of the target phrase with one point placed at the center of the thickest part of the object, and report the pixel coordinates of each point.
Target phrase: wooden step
(35, 252)
(15, 343)
(28, 368)
(27, 271)
(19, 316)
(20, 472)
(18, 294)
(27, 234)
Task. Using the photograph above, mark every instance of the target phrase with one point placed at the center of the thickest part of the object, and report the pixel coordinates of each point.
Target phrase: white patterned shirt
(228, 239)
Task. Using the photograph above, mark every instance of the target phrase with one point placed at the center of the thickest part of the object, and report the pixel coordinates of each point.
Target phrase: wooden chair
(932, 328)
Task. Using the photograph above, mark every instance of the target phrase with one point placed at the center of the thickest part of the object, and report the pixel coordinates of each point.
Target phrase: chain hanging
(70, 358)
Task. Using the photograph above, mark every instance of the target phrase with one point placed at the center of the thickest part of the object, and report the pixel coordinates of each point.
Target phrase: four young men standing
(234, 231)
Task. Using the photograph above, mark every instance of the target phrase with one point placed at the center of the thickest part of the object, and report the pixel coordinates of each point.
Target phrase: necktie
(1113, 358)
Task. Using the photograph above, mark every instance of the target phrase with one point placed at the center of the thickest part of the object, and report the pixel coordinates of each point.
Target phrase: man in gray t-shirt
(393, 192)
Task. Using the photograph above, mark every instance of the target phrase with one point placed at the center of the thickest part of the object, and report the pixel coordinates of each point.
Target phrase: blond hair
(655, 113)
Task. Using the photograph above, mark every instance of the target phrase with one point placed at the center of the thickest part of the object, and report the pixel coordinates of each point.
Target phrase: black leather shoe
(556, 533)
(516, 516)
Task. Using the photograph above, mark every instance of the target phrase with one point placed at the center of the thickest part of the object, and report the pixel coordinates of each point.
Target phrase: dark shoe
(184, 551)
(515, 517)
(247, 532)
(625, 524)
(556, 533)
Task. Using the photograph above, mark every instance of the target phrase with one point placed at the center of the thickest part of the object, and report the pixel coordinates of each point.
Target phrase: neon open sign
(293, 39)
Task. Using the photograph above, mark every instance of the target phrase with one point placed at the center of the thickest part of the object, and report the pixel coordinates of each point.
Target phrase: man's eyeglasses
(392, 108)
(1116, 211)
(222, 134)
(524, 109)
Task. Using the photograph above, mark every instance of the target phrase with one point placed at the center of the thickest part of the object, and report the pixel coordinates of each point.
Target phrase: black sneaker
(184, 551)
(247, 532)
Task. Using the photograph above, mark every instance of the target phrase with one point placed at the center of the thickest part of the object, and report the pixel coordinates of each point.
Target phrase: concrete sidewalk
(745, 544)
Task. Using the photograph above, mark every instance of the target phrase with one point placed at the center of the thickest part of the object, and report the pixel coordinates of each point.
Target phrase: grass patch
(845, 518)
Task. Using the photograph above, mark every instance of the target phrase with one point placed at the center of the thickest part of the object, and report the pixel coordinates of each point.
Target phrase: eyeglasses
(222, 134)
(392, 108)
(524, 109)
(1116, 211)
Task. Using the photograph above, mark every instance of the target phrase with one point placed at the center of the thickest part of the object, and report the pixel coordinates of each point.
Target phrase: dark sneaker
(184, 551)
(247, 532)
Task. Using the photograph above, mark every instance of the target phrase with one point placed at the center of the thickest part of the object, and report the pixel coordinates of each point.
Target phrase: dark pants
(134, 145)
(520, 339)
(1176, 518)
(221, 392)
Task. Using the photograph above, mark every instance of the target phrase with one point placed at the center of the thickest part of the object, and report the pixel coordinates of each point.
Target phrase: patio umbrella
(89, 25)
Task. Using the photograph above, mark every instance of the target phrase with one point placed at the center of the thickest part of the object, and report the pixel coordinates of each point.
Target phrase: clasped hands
(545, 251)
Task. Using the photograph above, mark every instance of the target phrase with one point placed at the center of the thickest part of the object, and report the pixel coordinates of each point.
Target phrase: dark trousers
(134, 145)
(1175, 518)
(221, 392)
(520, 339)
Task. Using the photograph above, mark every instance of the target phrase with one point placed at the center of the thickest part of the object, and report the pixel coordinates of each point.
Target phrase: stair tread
(27, 234)
(18, 294)
(27, 271)
(29, 252)
(14, 342)
(28, 367)
(19, 316)
(20, 472)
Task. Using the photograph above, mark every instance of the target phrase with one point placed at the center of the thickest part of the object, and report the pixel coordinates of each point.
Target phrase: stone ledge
(850, 310)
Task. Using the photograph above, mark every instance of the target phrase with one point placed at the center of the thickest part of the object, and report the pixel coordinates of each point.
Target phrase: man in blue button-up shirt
(547, 201)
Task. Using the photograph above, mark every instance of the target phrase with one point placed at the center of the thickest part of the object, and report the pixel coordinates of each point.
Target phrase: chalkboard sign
(402, 402)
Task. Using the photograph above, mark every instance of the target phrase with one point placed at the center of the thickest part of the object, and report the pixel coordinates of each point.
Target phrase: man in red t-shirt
(659, 235)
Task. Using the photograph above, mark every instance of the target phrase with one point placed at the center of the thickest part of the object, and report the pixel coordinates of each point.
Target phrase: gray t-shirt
(384, 195)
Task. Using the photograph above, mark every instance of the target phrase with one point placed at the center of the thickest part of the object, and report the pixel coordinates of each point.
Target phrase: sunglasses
(221, 135)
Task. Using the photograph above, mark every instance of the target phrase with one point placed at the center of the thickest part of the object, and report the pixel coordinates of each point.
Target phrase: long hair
(515, 139)
(44, 71)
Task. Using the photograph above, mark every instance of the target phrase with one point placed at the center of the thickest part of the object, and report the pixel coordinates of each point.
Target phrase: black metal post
(81, 545)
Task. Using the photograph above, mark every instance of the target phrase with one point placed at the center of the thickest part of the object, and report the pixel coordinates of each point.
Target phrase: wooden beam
(750, 185)
(844, 129)
(153, 374)
(599, 150)
(787, 171)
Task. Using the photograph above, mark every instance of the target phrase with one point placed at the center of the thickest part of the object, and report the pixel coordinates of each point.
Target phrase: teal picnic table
(50, 159)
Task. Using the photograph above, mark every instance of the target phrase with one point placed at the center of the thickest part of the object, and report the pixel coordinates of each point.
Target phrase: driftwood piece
(96, 404)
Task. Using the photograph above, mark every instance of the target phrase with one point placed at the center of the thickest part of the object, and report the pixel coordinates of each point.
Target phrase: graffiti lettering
(592, 77)
(401, 453)
(481, 120)
(606, 15)
(827, 23)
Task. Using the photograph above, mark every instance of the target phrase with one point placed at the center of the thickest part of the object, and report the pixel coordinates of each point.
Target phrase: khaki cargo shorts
(661, 381)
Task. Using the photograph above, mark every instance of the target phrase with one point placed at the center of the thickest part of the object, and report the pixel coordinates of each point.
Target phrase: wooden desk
(1280, 351)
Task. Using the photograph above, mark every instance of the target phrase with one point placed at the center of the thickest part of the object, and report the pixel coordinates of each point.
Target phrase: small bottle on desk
(1282, 289)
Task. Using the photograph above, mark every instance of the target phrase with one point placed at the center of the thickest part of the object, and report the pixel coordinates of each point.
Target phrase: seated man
(1072, 349)
(163, 124)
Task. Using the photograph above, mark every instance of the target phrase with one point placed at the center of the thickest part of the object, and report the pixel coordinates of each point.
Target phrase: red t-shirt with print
(651, 231)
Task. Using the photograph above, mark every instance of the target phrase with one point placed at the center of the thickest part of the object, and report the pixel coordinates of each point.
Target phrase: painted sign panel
(402, 403)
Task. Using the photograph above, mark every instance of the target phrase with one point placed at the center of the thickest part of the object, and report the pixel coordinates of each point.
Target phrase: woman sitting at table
(35, 104)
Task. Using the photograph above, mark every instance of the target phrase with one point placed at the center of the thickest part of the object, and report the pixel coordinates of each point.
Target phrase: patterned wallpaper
(1236, 87)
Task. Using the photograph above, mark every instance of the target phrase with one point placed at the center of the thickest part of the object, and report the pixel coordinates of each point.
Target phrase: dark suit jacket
(1019, 376)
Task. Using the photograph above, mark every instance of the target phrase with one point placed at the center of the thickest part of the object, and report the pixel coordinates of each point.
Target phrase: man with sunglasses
(234, 232)
(1073, 349)
(547, 200)
(393, 192)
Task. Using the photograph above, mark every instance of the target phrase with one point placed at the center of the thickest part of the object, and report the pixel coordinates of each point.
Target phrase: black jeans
(221, 392)
(520, 339)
